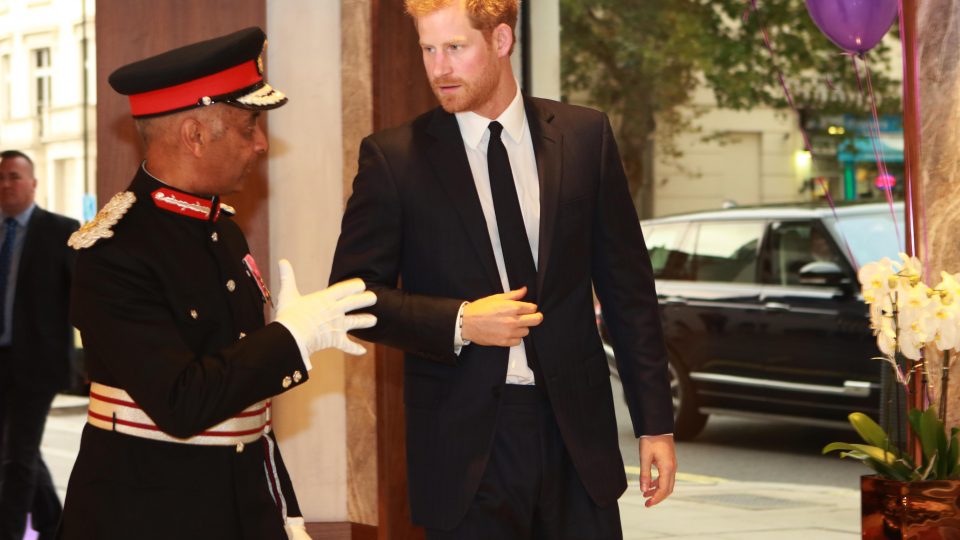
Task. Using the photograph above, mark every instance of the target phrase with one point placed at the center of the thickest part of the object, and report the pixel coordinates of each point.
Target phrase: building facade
(48, 97)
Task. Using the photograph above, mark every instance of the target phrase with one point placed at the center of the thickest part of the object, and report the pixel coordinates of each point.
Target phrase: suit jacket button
(214, 237)
(287, 381)
(239, 447)
(231, 285)
(297, 376)
(194, 314)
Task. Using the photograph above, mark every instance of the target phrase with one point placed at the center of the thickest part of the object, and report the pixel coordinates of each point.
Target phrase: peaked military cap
(227, 69)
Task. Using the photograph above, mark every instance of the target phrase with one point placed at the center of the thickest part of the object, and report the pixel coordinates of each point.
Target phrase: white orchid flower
(911, 270)
(876, 277)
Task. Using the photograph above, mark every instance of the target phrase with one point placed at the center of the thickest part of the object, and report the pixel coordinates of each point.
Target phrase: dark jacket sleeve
(623, 281)
(370, 246)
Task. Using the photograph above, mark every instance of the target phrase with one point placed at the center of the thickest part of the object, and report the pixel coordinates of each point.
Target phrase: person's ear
(503, 38)
(192, 136)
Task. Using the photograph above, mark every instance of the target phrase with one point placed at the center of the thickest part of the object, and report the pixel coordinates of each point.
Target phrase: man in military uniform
(169, 303)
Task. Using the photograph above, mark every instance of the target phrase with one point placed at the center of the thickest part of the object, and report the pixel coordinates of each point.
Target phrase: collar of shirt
(23, 217)
(473, 127)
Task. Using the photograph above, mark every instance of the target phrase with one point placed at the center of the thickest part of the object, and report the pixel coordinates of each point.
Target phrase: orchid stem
(944, 385)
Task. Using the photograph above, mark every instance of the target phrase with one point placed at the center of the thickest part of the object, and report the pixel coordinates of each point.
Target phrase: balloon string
(833, 208)
(856, 70)
(752, 6)
(878, 151)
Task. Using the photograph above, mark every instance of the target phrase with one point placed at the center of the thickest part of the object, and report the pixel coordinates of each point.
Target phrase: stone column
(938, 40)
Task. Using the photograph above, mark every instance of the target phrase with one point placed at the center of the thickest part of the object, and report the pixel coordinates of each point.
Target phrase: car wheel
(687, 418)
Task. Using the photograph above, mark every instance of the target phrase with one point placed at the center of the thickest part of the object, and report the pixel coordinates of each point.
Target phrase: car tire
(687, 419)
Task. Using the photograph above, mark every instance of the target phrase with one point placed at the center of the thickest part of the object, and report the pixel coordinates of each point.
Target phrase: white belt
(112, 409)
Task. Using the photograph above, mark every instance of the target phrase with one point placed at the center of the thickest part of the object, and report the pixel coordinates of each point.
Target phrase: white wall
(545, 48)
(753, 164)
(306, 194)
(26, 25)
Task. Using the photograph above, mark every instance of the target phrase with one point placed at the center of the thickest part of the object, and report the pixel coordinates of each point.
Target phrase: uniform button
(231, 285)
(194, 314)
(239, 447)
(215, 237)
(297, 376)
(243, 335)
(287, 381)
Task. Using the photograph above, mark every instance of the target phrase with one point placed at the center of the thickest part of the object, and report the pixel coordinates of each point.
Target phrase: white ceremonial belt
(113, 409)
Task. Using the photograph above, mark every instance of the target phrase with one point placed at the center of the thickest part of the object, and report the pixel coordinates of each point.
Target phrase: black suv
(762, 311)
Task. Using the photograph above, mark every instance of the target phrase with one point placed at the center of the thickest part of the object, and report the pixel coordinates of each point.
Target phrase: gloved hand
(318, 320)
(296, 529)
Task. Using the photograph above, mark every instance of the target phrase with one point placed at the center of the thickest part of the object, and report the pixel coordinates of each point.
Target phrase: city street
(755, 451)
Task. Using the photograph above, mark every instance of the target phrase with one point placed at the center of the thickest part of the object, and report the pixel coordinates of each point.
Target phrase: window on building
(42, 85)
(5, 87)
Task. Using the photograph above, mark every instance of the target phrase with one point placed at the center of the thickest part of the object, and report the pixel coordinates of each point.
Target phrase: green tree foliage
(642, 60)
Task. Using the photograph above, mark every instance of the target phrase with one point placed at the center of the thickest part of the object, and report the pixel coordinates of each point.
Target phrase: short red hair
(484, 15)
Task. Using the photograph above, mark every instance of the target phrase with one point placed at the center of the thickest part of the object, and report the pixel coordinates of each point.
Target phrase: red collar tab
(186, 205)
(192, 93)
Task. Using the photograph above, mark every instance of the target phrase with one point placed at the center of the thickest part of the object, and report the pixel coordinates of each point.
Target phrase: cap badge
(99, 227)
(260, 58)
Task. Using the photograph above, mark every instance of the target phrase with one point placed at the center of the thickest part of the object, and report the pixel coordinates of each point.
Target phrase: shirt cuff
(660, 435)
(458, 342)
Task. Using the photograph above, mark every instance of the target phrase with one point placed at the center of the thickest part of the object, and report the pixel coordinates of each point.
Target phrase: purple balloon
(854, 25)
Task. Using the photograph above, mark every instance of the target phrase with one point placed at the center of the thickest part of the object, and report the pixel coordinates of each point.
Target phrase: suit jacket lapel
(548, 148)
(29, 247)
(449, 160)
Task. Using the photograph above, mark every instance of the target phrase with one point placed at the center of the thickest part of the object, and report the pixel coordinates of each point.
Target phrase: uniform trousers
(25, 482)
(529, 488)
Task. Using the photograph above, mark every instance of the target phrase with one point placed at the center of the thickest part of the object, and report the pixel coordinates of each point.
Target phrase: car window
(668, 254)
(793, 245)
(871, 236)
(727, 251)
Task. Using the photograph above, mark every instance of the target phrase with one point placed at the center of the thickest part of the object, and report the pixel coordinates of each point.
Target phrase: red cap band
(189, 93)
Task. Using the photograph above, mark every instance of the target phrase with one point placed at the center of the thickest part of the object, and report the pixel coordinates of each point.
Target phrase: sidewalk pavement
(701, 508)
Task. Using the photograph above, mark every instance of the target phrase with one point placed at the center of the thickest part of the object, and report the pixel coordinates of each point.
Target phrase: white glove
(318, 320)
(296, 529)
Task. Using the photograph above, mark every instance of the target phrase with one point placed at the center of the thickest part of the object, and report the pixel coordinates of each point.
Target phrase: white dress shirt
(474, 129)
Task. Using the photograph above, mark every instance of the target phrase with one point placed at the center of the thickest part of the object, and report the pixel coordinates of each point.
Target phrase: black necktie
(6, 254)
(514, 243)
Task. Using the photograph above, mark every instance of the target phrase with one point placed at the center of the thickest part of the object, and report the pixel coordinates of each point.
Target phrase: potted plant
(915, 492)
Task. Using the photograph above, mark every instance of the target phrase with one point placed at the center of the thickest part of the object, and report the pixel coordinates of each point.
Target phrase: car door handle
(776, 306)
(675, 301)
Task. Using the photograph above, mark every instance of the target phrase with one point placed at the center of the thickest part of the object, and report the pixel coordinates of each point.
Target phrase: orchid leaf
(925, 475)
(878, 459)
(870, 431)
(929, 430)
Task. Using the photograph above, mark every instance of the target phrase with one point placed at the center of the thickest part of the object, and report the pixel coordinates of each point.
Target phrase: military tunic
(168, 312)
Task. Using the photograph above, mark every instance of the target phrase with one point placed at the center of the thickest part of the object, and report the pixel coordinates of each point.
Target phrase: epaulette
(99, 227)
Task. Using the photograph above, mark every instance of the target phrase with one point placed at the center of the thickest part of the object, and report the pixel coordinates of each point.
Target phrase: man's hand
(318, 320)
(500, 320)
(657, 450)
